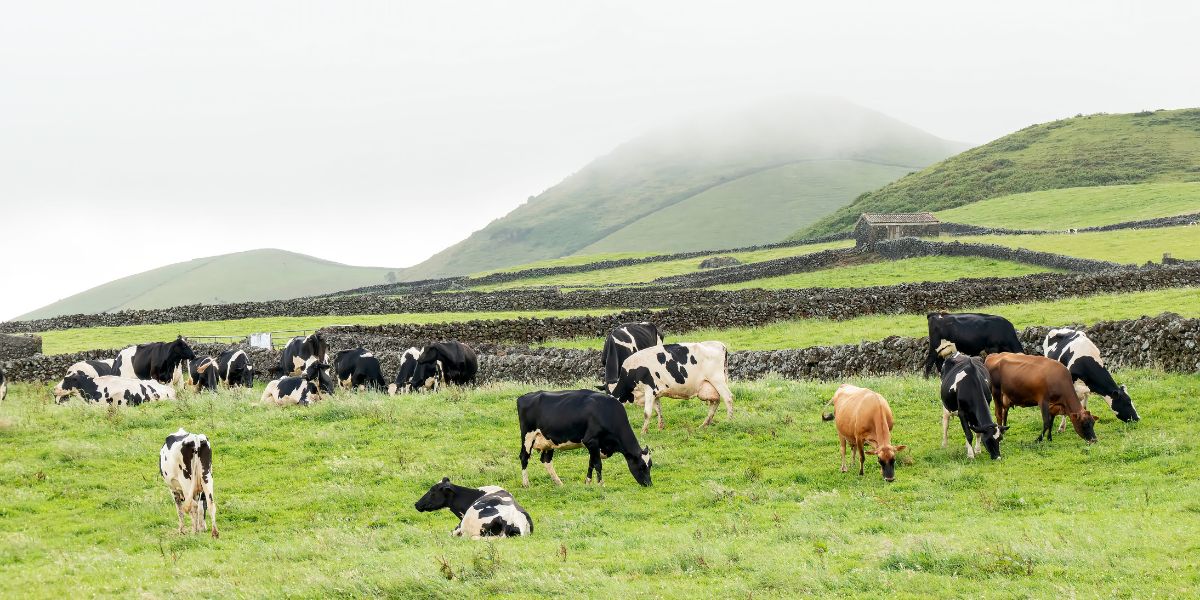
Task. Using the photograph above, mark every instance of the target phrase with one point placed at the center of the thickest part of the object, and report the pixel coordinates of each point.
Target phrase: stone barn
(875, 227)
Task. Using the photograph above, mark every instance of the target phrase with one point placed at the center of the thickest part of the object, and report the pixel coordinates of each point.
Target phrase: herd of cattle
(979, 357)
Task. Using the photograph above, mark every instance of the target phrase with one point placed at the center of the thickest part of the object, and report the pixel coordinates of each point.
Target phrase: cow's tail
(828, 416)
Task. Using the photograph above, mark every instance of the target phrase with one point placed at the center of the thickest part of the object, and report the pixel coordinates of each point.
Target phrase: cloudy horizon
(138, 135)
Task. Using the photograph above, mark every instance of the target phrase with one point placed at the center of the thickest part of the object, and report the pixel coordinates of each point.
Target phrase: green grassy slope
(764, 206)
(241, 277)
(1080, 207)
(318, 502)
(931, 268)
(669, 166)
(1096, 150)
(1129, 246)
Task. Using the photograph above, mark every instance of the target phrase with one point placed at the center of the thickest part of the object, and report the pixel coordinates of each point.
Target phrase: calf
(185, 463)
(1082, 359)
(358, 368)
(159, 361)
(621, 343)
(484, 512)
(1024, 380)
(404, 376)
(234, 368)
(864, 417)
(578, 419)
(299, 349)
(203, 373)
(93, 368)
(300, 389)
(972, 333)
(676, 371)
(108, 389)
(967, 392)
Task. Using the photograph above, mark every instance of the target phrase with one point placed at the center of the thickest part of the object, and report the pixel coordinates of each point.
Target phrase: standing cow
(971, 333)
(299, 349)
(358, 368)
(159, 361)
(676, 371)
(1024, 380)
(621, 343)
(234, 368)
(1082, 358)
(404, 376)
(107, 389)
(579, 419)
(444, 362)
(185, 463)
(967, 392)
(863, 416)
(484, 512)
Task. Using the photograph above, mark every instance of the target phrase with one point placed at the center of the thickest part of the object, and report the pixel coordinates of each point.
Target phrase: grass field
(1130, 246)
(933, 268)
(91, 338)
(824, 332)
(318, 503)
(1080, 207)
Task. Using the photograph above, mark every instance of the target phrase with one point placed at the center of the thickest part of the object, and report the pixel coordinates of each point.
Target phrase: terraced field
(1080, 207)
(933, 268)
(1128, 246)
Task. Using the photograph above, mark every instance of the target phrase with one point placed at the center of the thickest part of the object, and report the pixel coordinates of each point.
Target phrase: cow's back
(856, 410)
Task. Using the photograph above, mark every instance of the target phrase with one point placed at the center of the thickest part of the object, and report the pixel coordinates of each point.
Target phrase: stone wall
(19, 346)
(967, 229)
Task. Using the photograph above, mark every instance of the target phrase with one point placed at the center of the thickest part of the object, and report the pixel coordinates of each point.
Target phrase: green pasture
(932, 268)
(1128, 246)
(1080, 207)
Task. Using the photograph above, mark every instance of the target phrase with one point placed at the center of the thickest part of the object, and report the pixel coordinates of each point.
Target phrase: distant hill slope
(694, 166)
(255, 275)
(1096, 150)
(1080, 207)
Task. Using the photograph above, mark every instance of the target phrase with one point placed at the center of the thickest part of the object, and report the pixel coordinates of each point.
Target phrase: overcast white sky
(136, 134)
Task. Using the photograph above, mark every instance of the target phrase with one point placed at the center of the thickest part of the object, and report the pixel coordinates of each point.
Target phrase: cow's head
(1085, 425)
(438, 497)
(313, 369)
(886, 455)
(247, 374)
(991, 434)
(639, 465)
(71, 384)
(1122, 404)
(308, 392)
(427, 375)
(180, 350)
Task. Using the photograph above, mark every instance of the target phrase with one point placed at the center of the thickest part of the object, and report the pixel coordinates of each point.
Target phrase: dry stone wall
(19, 346)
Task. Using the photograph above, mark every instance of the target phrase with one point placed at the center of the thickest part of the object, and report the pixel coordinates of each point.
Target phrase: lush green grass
(824, 332)
(240, 277)
(318, 503)
(1130, 246)
(642, 273)
(933, 268)
(1080, 207)
(91, 338)
(1086, 151)
(767, 205)
(567, 261)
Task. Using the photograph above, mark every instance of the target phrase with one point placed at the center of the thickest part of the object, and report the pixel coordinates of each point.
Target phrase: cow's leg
(648, 401)
(862, 457)
(1047, 421)
(843, 441)
(212, 507)
(945, 426)
(966, 427)
(658, 411)
(594, 460)
(177, 495)
(548, 462)
(524, 462)
(712, 412)
(726, 396)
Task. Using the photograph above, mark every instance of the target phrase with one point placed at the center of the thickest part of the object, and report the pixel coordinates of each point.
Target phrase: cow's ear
(901, 447)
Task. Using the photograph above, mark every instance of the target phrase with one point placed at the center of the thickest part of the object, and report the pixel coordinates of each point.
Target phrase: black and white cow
(203, 374)
(299, 389)
(185, 463)
(108, 389)
(404, 376)
(967, 392)
(234, 368)
(1082, 358)
(676, 371)
(3, 386)
(159, 361)
(359, 368)
(94, 368)
(484, 512)
(621, 343)
(299, 349)
(579, 419)
(444, 362)
(972, 333)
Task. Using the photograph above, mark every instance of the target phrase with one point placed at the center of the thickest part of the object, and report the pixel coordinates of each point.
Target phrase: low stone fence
(19, 346)
(967, 229)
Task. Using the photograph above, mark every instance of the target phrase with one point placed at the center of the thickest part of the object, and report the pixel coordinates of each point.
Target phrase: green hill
(1096, 150)
(240, 277)
(719, 180)
(1080, 207)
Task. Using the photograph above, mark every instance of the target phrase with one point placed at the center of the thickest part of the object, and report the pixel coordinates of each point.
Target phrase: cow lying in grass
(676, 371)
(301, 389)
(234, 368)
(862, 417)
(203, 374)
(185, 463)
(108, 389)
(489, 511)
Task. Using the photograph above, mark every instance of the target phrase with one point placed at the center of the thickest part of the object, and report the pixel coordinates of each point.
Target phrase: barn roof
(921, 218)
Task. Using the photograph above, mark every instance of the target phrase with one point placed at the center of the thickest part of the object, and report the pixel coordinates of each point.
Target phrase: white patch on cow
(534, 440)
(706, 379)
(970, 450)
(3, 391)
(366, 355)
(125, 358)
(1077, 344)
(957, 378)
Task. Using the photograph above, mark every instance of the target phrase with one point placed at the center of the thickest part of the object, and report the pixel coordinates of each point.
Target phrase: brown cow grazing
(1029, 380)
(864, 416)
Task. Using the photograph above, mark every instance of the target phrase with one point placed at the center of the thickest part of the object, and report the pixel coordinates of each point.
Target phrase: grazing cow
(118, 391)
(863, 416)
(185, 463)
(404, 376)
(3, 386)
(579, 418)
(203, 374)
(444, 362)
(358, 368)
(489, 511)
(159, 361)
(299, 349)
(299, 389)
(1082, 358)
(93, 368)
(967, 392)
(675, 371)
(234, 368)
(1024, 380)
(972, 333)
(621, 343)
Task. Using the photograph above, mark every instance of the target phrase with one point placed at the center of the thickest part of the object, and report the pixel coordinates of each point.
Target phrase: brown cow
(1028, 380)
(864, 416)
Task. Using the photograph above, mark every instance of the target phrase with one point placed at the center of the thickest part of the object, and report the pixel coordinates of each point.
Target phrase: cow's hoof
(844, 470)
(215, 533)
